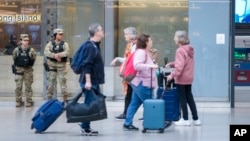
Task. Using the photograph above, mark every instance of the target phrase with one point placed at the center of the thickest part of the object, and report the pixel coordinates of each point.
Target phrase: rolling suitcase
(47, 114)
(153, 114)
(172, 106)
(168, 92)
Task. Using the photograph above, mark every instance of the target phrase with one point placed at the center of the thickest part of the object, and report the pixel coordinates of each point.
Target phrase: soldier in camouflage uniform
(24, 58)
(57, 52)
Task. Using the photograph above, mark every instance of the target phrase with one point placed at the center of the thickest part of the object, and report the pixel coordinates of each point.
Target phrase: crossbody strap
(151, 83)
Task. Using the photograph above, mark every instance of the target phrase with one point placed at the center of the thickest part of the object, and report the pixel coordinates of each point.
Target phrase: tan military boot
(19, 104)
(29, 104)
(65, 98)
(49, 97)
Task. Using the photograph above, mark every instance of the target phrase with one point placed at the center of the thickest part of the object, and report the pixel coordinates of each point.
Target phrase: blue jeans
(88, 99)
(139, 94)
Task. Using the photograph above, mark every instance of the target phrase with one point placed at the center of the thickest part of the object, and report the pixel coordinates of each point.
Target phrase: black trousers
(127, 99)
(186, 98)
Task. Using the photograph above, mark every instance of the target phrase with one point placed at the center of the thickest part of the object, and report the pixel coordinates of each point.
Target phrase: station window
(18, 17)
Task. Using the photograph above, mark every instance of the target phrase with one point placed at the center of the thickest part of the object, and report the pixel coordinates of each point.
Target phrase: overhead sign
(20, 18)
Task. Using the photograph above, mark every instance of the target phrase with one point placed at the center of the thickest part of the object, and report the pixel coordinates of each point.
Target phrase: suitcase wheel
(37, 131)
(32, 126)
(161, 130)
(144, 130)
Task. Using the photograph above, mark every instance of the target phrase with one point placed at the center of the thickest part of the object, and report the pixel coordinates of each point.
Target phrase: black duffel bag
(80, 112)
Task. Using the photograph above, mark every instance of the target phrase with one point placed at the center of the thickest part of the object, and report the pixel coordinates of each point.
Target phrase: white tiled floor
(15, 125)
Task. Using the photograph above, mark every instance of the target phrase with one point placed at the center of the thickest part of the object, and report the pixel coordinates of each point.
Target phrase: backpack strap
(94, 46)
(146, 56)
(54, 44)
(61, 44)
(19, 51)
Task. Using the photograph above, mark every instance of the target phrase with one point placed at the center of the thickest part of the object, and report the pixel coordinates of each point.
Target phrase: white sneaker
(89, 132)
(197, 122)
(182, 122)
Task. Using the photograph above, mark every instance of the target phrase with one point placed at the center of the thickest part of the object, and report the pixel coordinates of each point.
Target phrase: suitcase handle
(165, 90)
(171, 85)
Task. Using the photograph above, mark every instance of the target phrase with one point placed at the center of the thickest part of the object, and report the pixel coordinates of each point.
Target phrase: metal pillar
(232, 28)
(49, 22)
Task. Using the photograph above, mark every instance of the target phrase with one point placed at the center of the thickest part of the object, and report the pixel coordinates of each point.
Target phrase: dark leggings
(127, 99)
(186, 97)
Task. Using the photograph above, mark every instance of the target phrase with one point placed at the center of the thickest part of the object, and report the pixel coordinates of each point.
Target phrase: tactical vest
(59, 49)
(23, 58)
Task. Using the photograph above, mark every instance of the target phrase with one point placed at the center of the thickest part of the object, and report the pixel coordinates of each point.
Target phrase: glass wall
(207, 22)
(18, 17)
(209, 26)
(159, 18)
(75, 16)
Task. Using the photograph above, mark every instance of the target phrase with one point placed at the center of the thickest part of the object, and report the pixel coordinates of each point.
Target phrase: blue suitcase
(172, 106)
(153, 115)
(47, 114)
(159, 92)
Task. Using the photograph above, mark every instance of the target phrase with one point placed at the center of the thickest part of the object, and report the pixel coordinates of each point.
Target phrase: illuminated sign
(20, 18)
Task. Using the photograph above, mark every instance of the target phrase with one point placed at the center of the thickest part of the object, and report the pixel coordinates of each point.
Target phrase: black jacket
(9, 48)
(93, 64)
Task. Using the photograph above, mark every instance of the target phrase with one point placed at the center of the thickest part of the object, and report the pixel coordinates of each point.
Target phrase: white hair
(181, 37)
(132, 31)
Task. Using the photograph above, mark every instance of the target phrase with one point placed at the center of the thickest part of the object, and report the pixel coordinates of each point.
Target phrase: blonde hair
(181, 37)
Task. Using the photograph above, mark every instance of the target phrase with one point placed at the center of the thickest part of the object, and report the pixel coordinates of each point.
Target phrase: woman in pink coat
(183, 75)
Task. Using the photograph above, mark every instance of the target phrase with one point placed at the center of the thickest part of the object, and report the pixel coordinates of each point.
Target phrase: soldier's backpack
(77, 60)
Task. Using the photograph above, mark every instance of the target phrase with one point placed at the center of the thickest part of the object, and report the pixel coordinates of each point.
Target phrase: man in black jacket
(11, 45)
(93, 71)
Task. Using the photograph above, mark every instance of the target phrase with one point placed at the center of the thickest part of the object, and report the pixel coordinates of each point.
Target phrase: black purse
(80, 112)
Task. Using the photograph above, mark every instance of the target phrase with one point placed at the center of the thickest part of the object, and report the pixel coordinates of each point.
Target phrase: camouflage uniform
(24, 74)
(57, 68)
